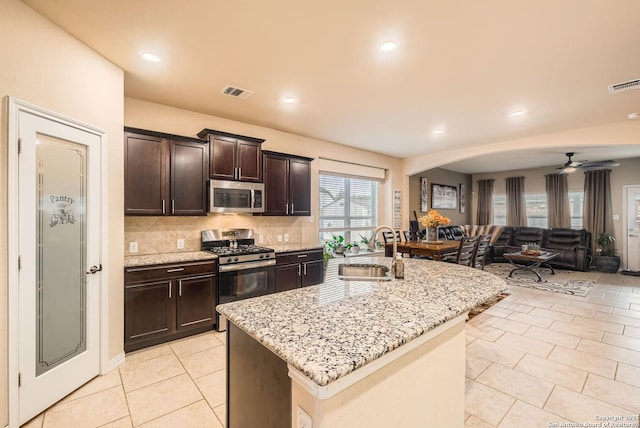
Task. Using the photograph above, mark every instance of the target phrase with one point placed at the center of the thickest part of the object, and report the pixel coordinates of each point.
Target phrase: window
(348, 207)
(536, 206)
(500, 209)
(576, 203)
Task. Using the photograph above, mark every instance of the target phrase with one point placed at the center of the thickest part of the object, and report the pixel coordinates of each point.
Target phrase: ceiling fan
(571, 165)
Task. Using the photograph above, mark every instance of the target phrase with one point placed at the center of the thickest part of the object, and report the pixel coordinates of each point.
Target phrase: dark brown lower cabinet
(298, 269)
(166, 302)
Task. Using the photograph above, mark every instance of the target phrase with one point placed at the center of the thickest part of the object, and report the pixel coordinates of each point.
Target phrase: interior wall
(441, 176)
(534, 182)
(157, 117)
(45, 66)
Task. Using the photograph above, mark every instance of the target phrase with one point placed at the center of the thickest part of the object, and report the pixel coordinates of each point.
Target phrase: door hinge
(19, 262)
(19, 145)
(19, 379)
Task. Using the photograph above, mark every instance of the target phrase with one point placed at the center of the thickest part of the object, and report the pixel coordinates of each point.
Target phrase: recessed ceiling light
(388, 46)
(438, 132)
(289, 100)
(633, 116)
(148, 56)
(518, 113)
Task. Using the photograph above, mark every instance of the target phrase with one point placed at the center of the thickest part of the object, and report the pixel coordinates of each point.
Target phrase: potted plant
(337, 245)
(355, 247)
(606, 259)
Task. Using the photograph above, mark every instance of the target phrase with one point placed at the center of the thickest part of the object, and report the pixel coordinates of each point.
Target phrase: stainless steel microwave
(235, 197)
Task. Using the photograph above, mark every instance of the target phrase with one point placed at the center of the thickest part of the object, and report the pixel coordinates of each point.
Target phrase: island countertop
(329, 330)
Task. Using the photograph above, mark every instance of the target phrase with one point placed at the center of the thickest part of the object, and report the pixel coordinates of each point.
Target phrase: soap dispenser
(398, 267)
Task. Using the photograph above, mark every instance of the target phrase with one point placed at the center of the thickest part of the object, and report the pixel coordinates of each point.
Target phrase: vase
(432, 234)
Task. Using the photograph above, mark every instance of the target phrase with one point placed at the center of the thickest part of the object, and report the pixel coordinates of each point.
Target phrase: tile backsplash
(156, 235)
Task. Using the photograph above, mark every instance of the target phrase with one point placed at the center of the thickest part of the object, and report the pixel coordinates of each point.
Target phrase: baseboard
(114, 363)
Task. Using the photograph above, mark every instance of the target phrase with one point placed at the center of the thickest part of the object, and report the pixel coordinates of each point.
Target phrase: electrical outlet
(311, 219)
(303, 418)
(260, 239)
(615, 217)
(279, 238)
(286, 237)
(133, 246)
(180, 244)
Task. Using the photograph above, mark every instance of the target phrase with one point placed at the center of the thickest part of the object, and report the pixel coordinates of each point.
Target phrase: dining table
(435, 250)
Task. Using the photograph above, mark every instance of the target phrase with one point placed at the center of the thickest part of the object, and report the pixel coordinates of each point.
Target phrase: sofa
(573, 245)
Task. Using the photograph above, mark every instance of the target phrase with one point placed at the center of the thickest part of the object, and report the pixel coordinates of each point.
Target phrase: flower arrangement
(434, 219)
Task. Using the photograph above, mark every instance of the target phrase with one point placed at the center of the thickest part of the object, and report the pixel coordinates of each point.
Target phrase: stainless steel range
(244, 270)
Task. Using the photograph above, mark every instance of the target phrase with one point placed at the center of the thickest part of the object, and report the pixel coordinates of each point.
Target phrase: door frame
(625, 223)
(14, 108)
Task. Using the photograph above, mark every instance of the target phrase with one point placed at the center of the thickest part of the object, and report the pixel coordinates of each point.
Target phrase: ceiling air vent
(234, 91)
(624, 86)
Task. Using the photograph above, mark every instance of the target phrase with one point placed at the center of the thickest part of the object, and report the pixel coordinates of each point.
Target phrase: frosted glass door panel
(61, 327)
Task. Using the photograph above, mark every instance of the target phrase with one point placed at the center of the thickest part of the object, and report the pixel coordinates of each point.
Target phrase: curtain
(558, 214)
(516, 208)
(485, 202)
(597, 204)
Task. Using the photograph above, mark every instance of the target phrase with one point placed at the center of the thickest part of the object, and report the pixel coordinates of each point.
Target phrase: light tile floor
(535, 359)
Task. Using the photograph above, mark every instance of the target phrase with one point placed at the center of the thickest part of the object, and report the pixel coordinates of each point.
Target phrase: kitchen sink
(363, 272)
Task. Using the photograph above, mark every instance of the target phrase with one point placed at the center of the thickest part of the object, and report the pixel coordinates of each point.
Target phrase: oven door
(245, 280)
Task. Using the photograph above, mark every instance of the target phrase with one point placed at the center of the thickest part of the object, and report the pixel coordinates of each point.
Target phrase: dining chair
(480, 255)
(467, 250)
(388, 237)
(411, 235)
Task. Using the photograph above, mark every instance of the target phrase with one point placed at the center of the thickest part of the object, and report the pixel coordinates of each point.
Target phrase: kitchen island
(355, 353)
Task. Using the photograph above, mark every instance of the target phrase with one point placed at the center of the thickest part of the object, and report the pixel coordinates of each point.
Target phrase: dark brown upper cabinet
(164, 174)
(233, 157)
(287, 184)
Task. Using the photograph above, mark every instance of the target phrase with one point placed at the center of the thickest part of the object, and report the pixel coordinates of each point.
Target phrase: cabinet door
(288, 277)
(249, 161)
(276, 185)
(299, 187)
(145, 175)
(312, 273)
(222, 158)
(196, 301)
(189, 175)
(149, 311)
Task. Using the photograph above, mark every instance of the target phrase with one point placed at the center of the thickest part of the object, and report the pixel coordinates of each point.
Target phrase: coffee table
(531, 262)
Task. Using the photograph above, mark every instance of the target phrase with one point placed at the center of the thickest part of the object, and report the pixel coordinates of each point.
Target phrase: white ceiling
(461, 65)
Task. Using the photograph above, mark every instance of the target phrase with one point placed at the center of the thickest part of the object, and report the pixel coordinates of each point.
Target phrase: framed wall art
(463, 198)
(424, 195)
(444, 197)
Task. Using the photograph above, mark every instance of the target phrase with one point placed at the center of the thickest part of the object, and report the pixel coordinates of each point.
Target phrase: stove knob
(262, 256)
(235, 260)
(266, 256)
(229, 260)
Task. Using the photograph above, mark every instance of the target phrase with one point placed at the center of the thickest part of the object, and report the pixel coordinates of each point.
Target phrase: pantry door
(633, 228)
(59, 185)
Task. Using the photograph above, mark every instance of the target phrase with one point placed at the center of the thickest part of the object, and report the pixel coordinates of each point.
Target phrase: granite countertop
(159, 259)
(329, 330)
(285, 248)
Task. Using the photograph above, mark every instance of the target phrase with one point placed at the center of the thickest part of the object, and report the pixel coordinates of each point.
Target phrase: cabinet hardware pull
(180, 288)
(239, 173)
(173, 206)
(287, 206)
(299, 274)
(305, 269)
(163, 206)
(292, 208)
(302, 255)
(169, 289)
(175, 270)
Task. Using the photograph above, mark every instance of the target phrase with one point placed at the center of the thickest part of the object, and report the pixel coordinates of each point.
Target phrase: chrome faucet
(395, 244)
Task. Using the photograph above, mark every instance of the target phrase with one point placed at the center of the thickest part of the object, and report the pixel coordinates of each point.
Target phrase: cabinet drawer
(298, 256)
(145, 273)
